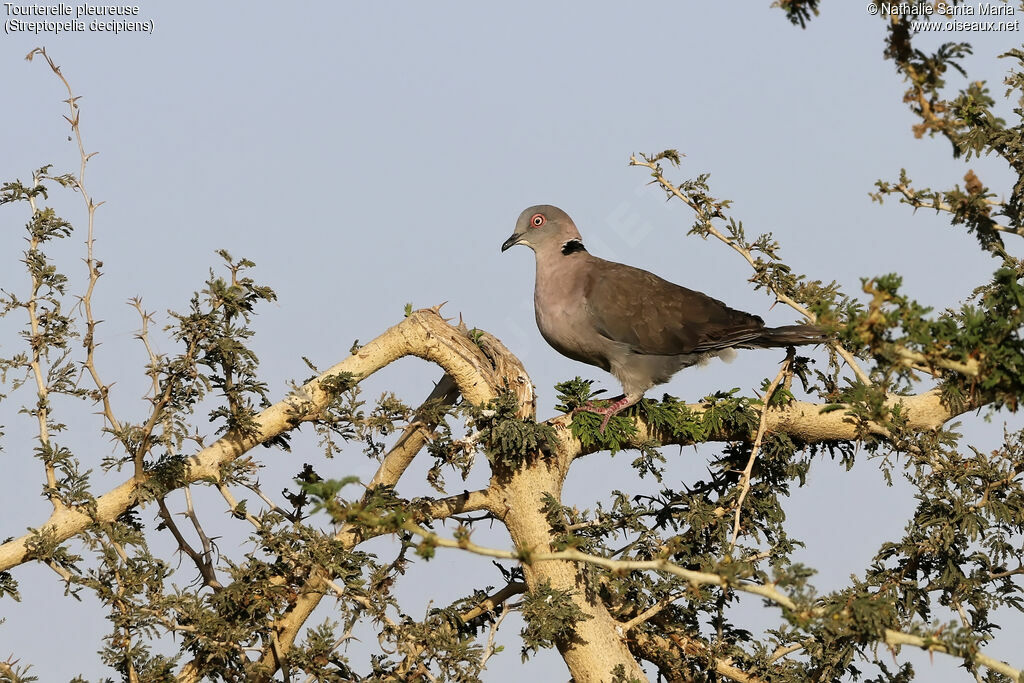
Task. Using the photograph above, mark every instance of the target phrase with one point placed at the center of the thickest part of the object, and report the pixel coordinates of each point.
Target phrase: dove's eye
(537, 220)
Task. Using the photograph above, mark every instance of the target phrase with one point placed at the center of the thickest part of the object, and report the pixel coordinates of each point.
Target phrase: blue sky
(366, 155)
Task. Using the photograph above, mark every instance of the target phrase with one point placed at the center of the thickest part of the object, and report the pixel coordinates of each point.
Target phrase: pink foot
(608, 411)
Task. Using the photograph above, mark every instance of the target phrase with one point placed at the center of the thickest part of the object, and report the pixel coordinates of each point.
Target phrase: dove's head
(543, 228)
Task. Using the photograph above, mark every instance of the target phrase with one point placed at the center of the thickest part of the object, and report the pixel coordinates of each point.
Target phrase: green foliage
(985, 334)
(510, 441)
(551, 617)
(215, 331)
(798, 11)
(447, 451)
(9, 587)
(317, 657)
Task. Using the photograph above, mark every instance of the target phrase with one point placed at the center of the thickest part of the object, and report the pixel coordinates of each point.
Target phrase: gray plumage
(629, 322)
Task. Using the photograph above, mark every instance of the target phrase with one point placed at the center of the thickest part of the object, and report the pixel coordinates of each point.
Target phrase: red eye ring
(537, 220)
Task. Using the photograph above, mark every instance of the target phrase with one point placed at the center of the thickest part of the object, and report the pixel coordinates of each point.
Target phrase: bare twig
(233, 505)
(491, 635)
(202, 560)
(761, 428)
(651, 611)
(695, 578)
(93, 265)
(911, 198)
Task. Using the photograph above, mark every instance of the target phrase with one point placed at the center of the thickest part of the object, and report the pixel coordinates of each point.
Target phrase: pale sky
(366, 155)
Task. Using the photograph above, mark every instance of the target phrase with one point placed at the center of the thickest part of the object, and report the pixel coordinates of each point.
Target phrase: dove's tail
(789, 335)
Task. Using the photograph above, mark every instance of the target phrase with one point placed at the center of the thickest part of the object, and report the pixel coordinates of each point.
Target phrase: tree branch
(695, 578)
(423, 334)
(807, 422)
(758, 438)
(895, 638)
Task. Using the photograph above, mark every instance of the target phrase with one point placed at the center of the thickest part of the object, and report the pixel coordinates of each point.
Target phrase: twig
(695, 578)
(912, 199)
(202, 562)
(690, 649)
(271, 505)
(650, 612)
(139, 451)
(783, 650)
(491, 634)
(893, 638)
(233, 505)
(42, 410)
(190, 512)
(103, 390)
(761, 428)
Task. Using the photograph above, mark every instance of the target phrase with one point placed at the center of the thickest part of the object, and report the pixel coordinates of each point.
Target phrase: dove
(631, 323)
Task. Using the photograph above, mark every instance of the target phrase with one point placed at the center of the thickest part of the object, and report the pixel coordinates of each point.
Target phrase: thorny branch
(102, 390)
(695, 578)
(758, 438)
(911, 198)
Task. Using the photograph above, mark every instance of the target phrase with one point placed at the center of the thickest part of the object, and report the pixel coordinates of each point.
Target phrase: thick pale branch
(309, 595)
(423, 334)
(597, 646)
(415, 436)
(482, 376)
(810, 423)
(971, 367)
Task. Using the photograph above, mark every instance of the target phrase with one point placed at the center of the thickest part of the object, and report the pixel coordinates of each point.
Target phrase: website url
(986, 26)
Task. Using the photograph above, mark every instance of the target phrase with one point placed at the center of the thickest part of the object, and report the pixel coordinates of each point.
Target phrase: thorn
(437, 309)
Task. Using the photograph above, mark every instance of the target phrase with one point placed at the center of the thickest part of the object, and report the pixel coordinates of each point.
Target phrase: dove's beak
(512, 241)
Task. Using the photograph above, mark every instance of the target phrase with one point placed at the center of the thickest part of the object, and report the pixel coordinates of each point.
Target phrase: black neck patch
(572, 246)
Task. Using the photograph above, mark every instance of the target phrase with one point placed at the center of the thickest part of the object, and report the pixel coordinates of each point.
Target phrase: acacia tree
(640, 578)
